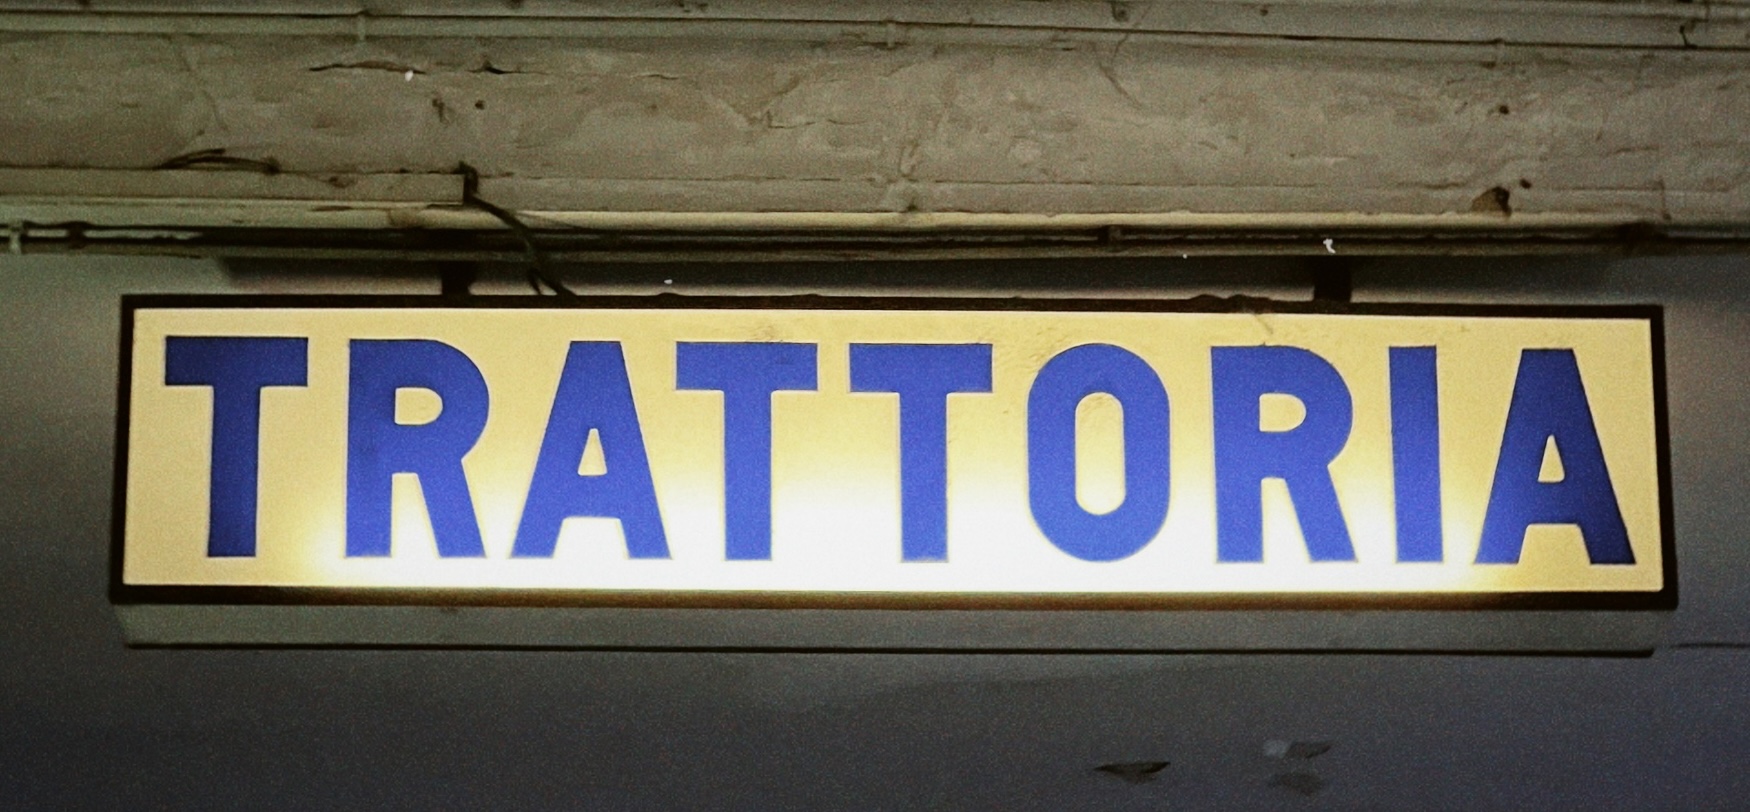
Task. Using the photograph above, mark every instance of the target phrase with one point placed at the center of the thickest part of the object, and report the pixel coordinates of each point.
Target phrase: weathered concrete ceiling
(1305, 117)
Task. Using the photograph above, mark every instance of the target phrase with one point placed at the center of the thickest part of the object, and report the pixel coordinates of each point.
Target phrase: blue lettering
(747, 375)
(1060, 387)
(1246, 455)
(1549, 402)
(923, 375)
(1415, 452)
(594, 394)
(237, 369)
(378, 447)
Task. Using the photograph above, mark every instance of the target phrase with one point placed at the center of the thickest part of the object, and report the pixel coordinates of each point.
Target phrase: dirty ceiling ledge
(1570, 23)
(743, 127)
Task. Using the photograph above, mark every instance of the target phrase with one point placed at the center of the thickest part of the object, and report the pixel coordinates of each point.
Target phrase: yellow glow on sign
(836, 473)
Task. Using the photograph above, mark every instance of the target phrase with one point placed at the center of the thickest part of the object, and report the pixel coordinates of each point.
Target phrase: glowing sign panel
(941, 450)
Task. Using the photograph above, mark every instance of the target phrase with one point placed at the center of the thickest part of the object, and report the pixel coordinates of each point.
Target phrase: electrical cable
(538, 274)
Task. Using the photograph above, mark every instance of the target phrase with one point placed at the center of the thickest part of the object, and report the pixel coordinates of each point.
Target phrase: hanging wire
(538, 274)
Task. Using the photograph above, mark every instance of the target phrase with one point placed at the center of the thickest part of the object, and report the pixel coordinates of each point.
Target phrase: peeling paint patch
(1496, 200)
(1134, 772)
(217, 159)
(369, 64)
(1276, 748)
(487, 67)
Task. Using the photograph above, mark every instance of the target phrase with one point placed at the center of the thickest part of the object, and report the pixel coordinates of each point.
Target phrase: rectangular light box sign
(890, 474)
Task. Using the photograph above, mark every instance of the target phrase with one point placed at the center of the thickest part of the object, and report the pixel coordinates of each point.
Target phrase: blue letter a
(594, 395)
(1549, 403)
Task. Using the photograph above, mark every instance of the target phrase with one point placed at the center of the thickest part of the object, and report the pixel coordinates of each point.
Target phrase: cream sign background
(1073, 451)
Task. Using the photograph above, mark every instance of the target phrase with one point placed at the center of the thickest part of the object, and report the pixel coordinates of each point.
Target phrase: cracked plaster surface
(903, 128)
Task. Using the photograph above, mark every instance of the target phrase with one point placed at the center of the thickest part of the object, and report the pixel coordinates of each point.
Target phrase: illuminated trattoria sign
(933, 452)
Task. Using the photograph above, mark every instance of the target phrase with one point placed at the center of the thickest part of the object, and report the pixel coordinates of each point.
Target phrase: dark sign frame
(123, 594)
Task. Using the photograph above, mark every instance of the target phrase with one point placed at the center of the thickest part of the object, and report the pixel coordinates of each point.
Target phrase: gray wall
(88, 724)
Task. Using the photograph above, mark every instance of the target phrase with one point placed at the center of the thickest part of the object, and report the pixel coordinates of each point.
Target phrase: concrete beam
(996, 115)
